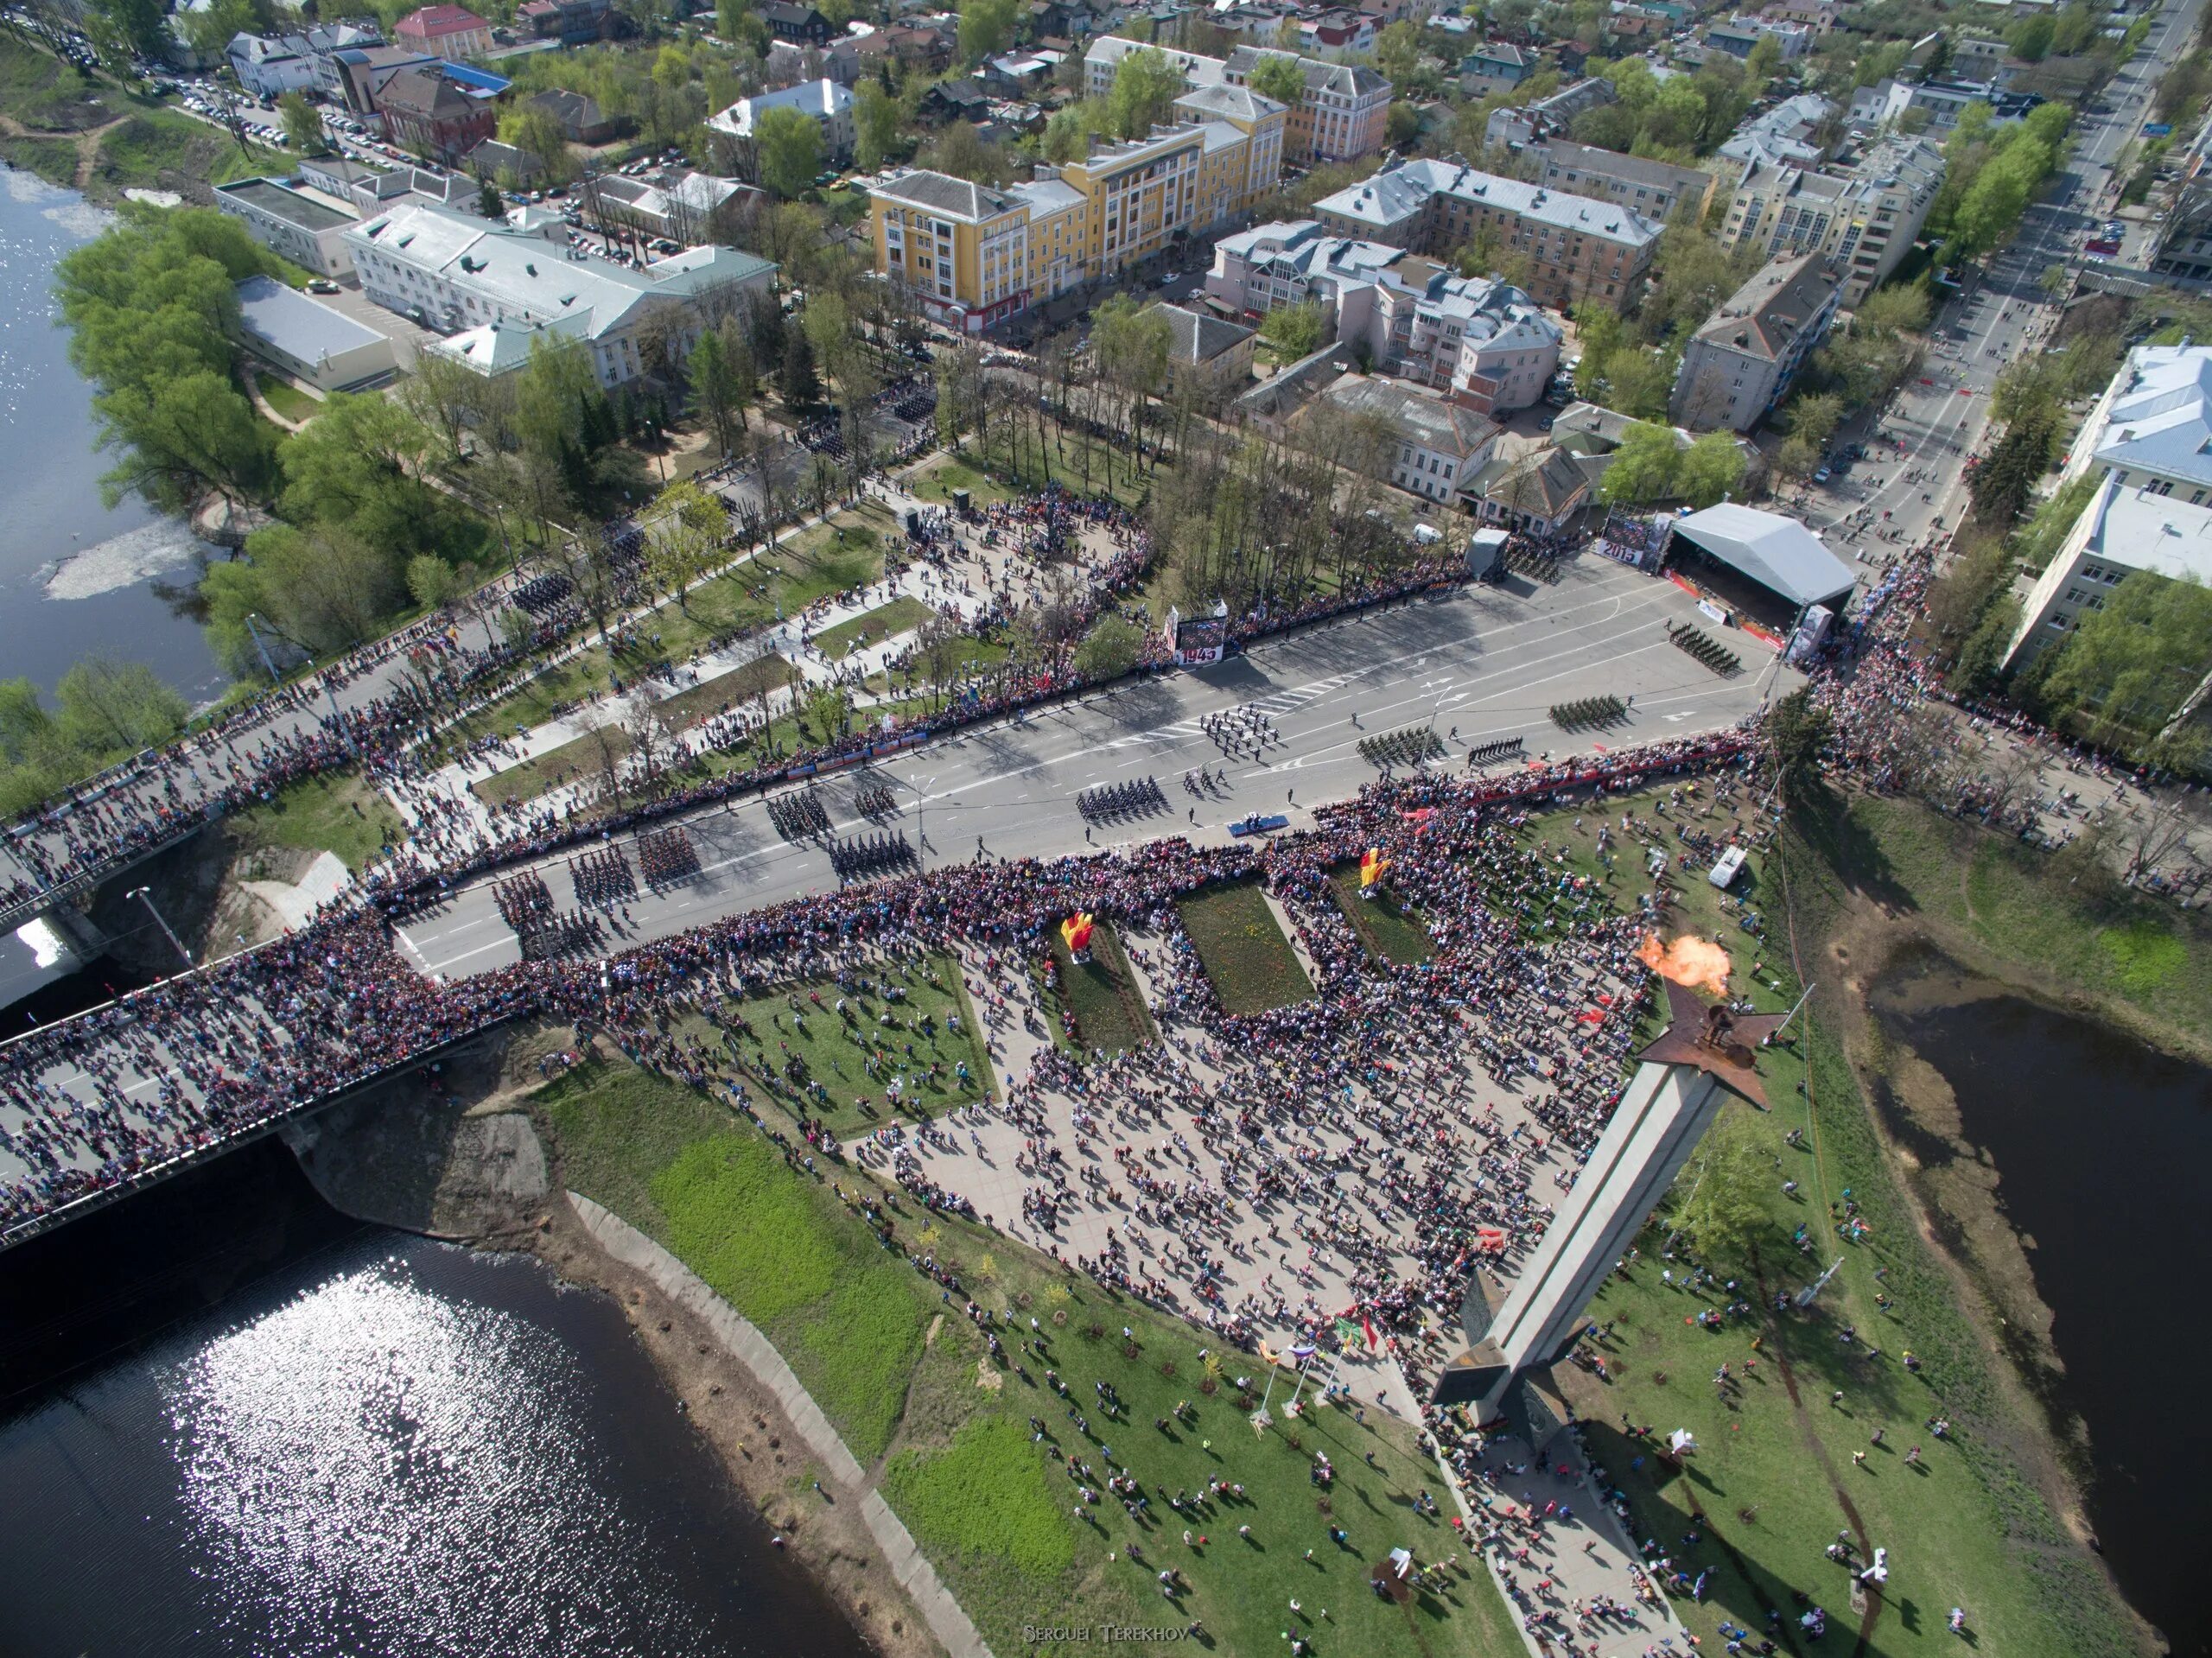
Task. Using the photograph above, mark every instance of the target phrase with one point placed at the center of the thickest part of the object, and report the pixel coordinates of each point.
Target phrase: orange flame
(1689, 960)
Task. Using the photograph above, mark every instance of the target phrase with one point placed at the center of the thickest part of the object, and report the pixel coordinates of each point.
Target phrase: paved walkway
(750, 1347)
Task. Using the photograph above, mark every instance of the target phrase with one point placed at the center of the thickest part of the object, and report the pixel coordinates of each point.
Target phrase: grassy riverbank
(903, 1375)
(1782, 1465)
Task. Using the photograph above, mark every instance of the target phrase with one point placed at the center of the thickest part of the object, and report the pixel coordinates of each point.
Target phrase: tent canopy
(1780, 554)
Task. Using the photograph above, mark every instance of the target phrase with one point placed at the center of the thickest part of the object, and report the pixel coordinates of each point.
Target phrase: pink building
(454, 33)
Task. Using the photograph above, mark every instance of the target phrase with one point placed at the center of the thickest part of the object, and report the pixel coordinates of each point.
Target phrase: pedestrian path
(745, 1343)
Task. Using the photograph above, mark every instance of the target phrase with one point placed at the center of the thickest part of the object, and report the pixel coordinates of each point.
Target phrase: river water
(2101, 1144)
(360, 1442)
(76, 578)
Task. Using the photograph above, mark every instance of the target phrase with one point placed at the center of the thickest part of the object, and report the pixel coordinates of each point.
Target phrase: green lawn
(54, 159)
(813, 565)
(1768, 1485)
(588, 755)
(43, 93)
(724, 691)
(336, 812)
(900, 1370)
(821, 1059)
(941, 478)
(1388, 929)
(161, 148)
(872, 627)
(1243, 949)
(288, 399)
(1103, 997)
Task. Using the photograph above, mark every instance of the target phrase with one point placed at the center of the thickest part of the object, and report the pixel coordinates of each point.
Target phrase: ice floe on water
(122, 561)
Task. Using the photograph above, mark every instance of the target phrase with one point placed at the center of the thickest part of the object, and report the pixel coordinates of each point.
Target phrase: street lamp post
(921, 804)
(145, 896)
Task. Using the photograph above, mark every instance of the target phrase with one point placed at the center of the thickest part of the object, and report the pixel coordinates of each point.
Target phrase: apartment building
(495, 288)
(1484, 342)
(1862, 214)
(975, 255)
(2125, 534)
(1343, 115)
(1652, 188)
(1739, 365)
(1578, 248)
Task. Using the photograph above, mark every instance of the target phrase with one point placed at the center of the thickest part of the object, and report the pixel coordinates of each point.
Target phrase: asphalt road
(1994, 321)
(1490, 662)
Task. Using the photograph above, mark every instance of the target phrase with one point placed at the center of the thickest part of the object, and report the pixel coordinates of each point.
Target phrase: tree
(1712, 469)
(536, 131)
(1646, 467)
(302, 125)
(1279, 76)
(1764, 61)
(2030, 38)
(143, 24)
(1402, 126)
(789, 147)
(2122, 673)
(686, 537)
(1110, 649)
(1397, 52)
(1293, 331)
(357, 463)
(489, 205)
(105, 707)
(875, 125)
(1718, 1201)
(719, 370)
(796, 380)
(432, 582)
(1146, 87)
(986, 28)
(1799, 731)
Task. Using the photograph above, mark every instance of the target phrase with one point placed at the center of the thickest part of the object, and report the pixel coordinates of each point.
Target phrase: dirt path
(86, 141)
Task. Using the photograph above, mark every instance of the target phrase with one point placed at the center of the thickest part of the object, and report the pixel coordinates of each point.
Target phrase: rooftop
(2143, 532)
(1778, 553)
(942, 192)
(1764, 317)
(2160, 417)
(280, 201)
(1420, 417)
(823, 99)
(303, 328)
(1196, 339)
(1398, 192)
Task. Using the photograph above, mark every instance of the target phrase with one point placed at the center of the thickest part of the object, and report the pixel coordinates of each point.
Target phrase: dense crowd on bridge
(201, 1059)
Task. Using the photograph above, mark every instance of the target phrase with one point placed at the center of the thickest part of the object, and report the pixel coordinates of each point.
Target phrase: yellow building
(975, 255)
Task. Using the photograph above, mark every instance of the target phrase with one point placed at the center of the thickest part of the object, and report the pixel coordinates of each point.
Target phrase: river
(76, 578)
(2101, 1144)
(318, 1438)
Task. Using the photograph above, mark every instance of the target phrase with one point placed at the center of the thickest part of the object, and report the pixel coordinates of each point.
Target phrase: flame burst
(1688, 961)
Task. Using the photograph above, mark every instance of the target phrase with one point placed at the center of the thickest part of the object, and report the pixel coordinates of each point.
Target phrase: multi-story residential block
(309, 232)
(1484, 341)
(1739, 365)
(425, 113)
(1652, 188)
(828, 105)
(1862, 214)
(975, 255)
(1578, 248)
(1344, 113)
(2125, 534)
(454, 33)
(2182, 252)
(1338, 34)
(495, 288)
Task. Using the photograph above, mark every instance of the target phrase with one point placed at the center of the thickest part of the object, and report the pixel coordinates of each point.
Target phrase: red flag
(1591, 1016)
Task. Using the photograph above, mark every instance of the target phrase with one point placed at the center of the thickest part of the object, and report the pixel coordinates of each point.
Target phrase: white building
(310, 341)
(1791, 131)
(824, 102)
(271, 66)
(1486, 342)
(2152, 427)
(308, 230)
(490, 287)
(2123, 533)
